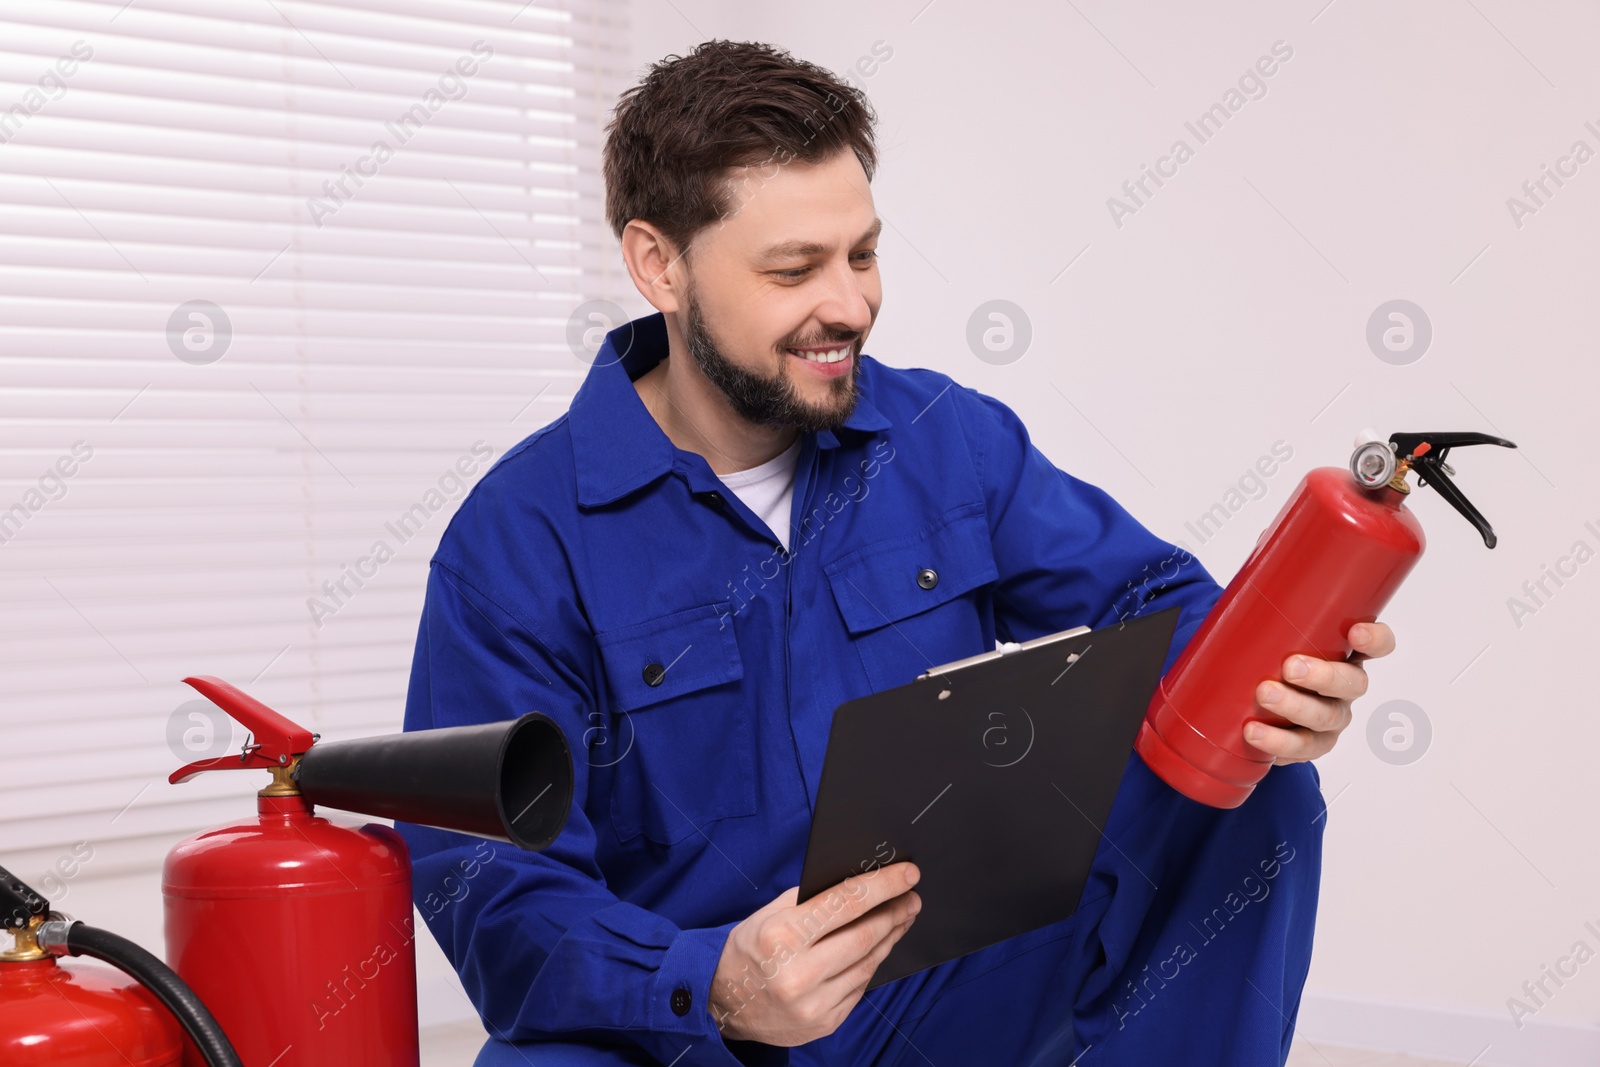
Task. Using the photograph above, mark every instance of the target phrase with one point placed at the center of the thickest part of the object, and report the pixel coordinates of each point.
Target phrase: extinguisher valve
(1376, 463)
(27, 915)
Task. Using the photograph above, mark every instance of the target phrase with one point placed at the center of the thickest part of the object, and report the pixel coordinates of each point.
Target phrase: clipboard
(995, 774)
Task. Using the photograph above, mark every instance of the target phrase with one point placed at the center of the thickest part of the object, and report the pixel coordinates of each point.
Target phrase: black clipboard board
(995, 775)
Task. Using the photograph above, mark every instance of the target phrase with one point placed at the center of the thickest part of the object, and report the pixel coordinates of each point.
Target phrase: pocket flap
(878, 584)
(679, 653)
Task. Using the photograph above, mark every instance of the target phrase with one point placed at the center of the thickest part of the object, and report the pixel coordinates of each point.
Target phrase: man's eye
(863, 258)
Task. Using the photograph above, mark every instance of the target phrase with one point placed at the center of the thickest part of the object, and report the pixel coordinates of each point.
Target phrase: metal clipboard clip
(1006, 649)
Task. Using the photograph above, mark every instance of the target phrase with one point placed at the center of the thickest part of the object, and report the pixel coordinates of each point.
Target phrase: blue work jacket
(603, 576)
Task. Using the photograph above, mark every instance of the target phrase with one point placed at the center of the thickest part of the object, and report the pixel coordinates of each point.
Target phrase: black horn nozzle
(507, 781)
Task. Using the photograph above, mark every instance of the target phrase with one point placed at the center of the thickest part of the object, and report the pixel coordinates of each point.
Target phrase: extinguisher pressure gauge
(1373, 464)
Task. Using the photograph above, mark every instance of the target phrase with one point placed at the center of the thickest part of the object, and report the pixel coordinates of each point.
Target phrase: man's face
(782, 293)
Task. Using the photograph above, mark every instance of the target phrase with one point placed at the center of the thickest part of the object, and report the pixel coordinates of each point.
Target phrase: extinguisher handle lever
(1427, 453)
(19, 902)
(275, 739)
(1428, 473)
(1407, 444)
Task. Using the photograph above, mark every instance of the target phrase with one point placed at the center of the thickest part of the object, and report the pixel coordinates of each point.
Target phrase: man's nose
(845, 306)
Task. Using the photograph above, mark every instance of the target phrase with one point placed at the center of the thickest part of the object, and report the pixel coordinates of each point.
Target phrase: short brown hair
(726, 104)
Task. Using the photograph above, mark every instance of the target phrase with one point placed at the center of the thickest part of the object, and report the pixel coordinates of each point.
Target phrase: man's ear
(655, 264)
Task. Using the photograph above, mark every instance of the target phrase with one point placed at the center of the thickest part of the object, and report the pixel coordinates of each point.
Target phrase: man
(744, 521)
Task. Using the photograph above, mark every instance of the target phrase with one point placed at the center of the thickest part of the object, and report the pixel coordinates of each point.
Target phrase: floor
(457, 1045)
(1305, 1054)
(1320, 1055)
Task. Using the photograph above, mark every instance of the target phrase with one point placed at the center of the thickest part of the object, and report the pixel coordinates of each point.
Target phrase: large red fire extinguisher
(297, 931)
(1332, 558)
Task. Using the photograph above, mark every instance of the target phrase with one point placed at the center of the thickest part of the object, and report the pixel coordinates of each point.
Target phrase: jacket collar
(617, 444)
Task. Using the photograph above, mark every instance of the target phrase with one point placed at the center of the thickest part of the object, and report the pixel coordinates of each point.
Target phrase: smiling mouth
(835, 354)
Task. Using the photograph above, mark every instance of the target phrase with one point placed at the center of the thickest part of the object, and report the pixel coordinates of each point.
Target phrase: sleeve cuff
(679, 1013)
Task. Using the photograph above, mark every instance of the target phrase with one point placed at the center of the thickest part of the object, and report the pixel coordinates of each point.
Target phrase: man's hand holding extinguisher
(1315, 695)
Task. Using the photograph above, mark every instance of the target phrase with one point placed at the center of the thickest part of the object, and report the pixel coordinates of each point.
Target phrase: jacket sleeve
(543, 947)
(1067, 553)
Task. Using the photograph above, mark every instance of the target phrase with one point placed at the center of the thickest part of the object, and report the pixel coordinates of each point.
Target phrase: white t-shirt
(768, 489)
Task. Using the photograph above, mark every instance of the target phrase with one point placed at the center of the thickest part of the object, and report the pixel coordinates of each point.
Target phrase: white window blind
(278, 279)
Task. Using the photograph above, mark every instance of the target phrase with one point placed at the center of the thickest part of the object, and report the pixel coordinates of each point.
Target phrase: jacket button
(927, 577)
(653, 673)
(680, 1001)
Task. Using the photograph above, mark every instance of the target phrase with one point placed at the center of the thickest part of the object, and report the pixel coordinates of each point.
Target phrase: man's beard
(772, 401)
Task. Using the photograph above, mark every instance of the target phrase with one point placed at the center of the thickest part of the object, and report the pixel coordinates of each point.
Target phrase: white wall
(1229, 313)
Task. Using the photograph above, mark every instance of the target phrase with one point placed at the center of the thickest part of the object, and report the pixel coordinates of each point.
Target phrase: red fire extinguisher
(297, 931)
(62, 1015)
(1332, 558)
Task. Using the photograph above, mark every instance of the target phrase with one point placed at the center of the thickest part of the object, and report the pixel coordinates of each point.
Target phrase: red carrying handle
(277, 740)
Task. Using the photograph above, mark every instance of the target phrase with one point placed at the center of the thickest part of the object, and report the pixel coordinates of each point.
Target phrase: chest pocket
(685, 741)
(919, 600)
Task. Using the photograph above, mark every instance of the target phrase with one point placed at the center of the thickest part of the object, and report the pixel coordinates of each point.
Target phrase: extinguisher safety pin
(247, 750)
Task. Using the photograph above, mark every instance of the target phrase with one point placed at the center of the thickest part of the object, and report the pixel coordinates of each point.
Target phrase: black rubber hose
(157, 977)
